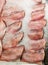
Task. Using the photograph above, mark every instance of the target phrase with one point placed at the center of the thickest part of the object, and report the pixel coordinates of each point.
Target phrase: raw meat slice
(38, 7)
(12, 54)
(2, 29)
(14, 27)
(0, 48)
(35, 35)
(8, 10)
(2, 25)
(11, 40)
(38, 1)
(17, 15)
(33, 57)
(41, 21)
(37, 25)
(36, 44)
(37, 15)
(8, 21)
(2, 3)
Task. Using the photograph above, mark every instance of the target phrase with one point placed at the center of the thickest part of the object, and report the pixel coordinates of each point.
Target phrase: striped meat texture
(33, 57)
(36, 45)
(12, 54)
(37, 15)
(37, 25)
(11, 39)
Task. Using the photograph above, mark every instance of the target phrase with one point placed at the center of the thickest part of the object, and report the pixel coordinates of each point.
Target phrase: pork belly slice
(11, 40)
(17, 15)
(12, 54)
(0, 47)
(39, 63)
(33, 57)
(13, 28)
(38, 1)
(37, 25)
(8, 10)
(2, 29)
(35, 35)
(2, 3)
(37, 15)
(36, 44)
(8, 21)
(38, 7)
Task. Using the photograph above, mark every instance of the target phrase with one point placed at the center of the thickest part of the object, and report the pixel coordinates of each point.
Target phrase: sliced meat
(8, 21)
(12, 54)
(16, 15)
(2, 29)
(14, 27)
(37, 25)
(37, 15)
(36, 44)
(35, 35)
(38, 7)
(11, 40)
(8, 10)
(2, 3)
(0, 48)
(33, 57)
(38, 1)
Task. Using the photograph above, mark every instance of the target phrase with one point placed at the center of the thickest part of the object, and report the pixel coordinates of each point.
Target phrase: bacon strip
(35, 35)
(37, 25)
(38, 7)
(13, 28)
(8, 10)
(37, 15)
(33, 57)
(36, 44)
(11, 40)
(17, 15)
(12, 54)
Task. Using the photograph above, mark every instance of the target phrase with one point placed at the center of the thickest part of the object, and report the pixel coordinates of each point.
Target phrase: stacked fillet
(35, 51)
(10, 34)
